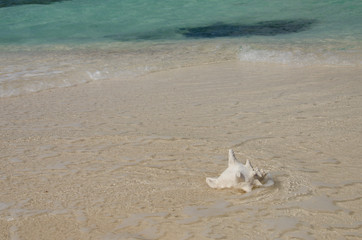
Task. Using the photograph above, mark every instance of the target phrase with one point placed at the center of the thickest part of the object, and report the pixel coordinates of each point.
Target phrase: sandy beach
(127, 159)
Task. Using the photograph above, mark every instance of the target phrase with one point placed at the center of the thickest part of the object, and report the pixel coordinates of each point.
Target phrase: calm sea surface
(62, 43)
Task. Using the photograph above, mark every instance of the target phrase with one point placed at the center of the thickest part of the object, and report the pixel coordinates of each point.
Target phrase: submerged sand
(128, 159)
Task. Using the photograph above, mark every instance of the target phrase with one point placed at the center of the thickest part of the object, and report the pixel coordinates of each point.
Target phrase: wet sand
(128, 159)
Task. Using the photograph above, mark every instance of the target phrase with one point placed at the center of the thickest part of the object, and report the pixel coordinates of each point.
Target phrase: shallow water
(90, 20)
(129, 160)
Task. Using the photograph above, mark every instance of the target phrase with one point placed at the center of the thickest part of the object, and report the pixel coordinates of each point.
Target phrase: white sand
(128, 159)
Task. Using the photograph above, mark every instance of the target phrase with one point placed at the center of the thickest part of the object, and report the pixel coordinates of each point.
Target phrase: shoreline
(128, 159)
(37, 68)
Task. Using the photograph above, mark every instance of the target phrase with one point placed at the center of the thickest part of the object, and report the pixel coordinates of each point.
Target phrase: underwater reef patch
(10, 3)
(265, 28)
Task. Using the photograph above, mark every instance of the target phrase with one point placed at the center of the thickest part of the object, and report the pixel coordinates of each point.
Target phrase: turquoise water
(51, 44)
(82, 21)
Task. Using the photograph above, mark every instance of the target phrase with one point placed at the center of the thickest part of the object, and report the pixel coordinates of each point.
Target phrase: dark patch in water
(267, 28)
(9, 3)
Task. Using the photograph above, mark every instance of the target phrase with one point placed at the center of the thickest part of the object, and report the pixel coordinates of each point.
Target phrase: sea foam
(294, 56)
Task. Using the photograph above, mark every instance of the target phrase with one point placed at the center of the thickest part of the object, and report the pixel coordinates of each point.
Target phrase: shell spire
(232, 158)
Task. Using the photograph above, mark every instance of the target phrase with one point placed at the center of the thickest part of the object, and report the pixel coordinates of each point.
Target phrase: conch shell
(240, 176)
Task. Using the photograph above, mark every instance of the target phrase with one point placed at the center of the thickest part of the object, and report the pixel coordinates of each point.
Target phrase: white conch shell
(240, 176)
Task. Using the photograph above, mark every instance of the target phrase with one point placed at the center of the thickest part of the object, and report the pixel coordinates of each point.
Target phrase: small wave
(97, 75)
(294, 56)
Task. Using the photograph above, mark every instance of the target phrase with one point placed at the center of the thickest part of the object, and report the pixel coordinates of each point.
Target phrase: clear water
(63, 43)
